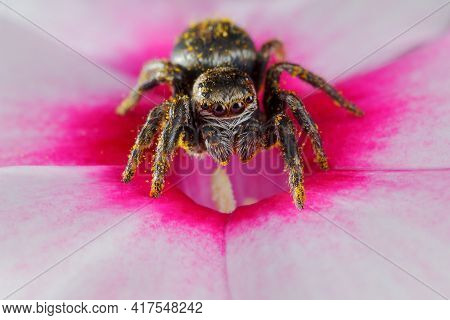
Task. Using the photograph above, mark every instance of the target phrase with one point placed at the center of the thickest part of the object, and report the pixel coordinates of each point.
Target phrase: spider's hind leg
(152, 74)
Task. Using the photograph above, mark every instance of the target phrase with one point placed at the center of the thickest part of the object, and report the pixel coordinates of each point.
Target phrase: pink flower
(375, 226)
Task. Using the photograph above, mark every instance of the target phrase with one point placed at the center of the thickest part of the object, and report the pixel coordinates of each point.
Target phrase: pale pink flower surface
(376, 225)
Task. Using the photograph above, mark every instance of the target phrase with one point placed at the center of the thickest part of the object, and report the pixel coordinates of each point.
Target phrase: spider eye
(218, 109)
(204, 106)
(249, 99)
(237, 107)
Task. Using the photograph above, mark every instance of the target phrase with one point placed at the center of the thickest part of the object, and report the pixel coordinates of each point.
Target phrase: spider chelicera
(215, 73)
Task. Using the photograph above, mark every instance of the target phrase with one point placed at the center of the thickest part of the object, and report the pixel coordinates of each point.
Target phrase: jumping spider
(215, 73)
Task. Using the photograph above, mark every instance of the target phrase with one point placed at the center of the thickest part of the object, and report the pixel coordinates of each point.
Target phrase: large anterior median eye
(249, 99)
(237, 107)
(218, 109)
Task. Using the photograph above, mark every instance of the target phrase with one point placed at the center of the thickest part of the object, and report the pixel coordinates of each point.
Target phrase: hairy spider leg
(144, 140)
(276, 99)
(173, 134)
(281, 128)
(316, 81)
(153, 73)
(269, 48)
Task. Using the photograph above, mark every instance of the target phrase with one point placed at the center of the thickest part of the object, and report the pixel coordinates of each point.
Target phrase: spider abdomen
(214, 43)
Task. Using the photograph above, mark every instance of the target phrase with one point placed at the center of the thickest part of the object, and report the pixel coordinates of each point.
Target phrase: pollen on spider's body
(215, 73)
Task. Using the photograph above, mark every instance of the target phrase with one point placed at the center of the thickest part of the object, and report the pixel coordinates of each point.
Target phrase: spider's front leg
(144, 140)
(279, 129)
(174, 118)
(152, 74)
(178, 131)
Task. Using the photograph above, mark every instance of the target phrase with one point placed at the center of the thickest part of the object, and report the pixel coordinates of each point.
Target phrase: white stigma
(222, 191)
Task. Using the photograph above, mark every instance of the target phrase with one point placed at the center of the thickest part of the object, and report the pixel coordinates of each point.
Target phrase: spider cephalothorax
(215, 73)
